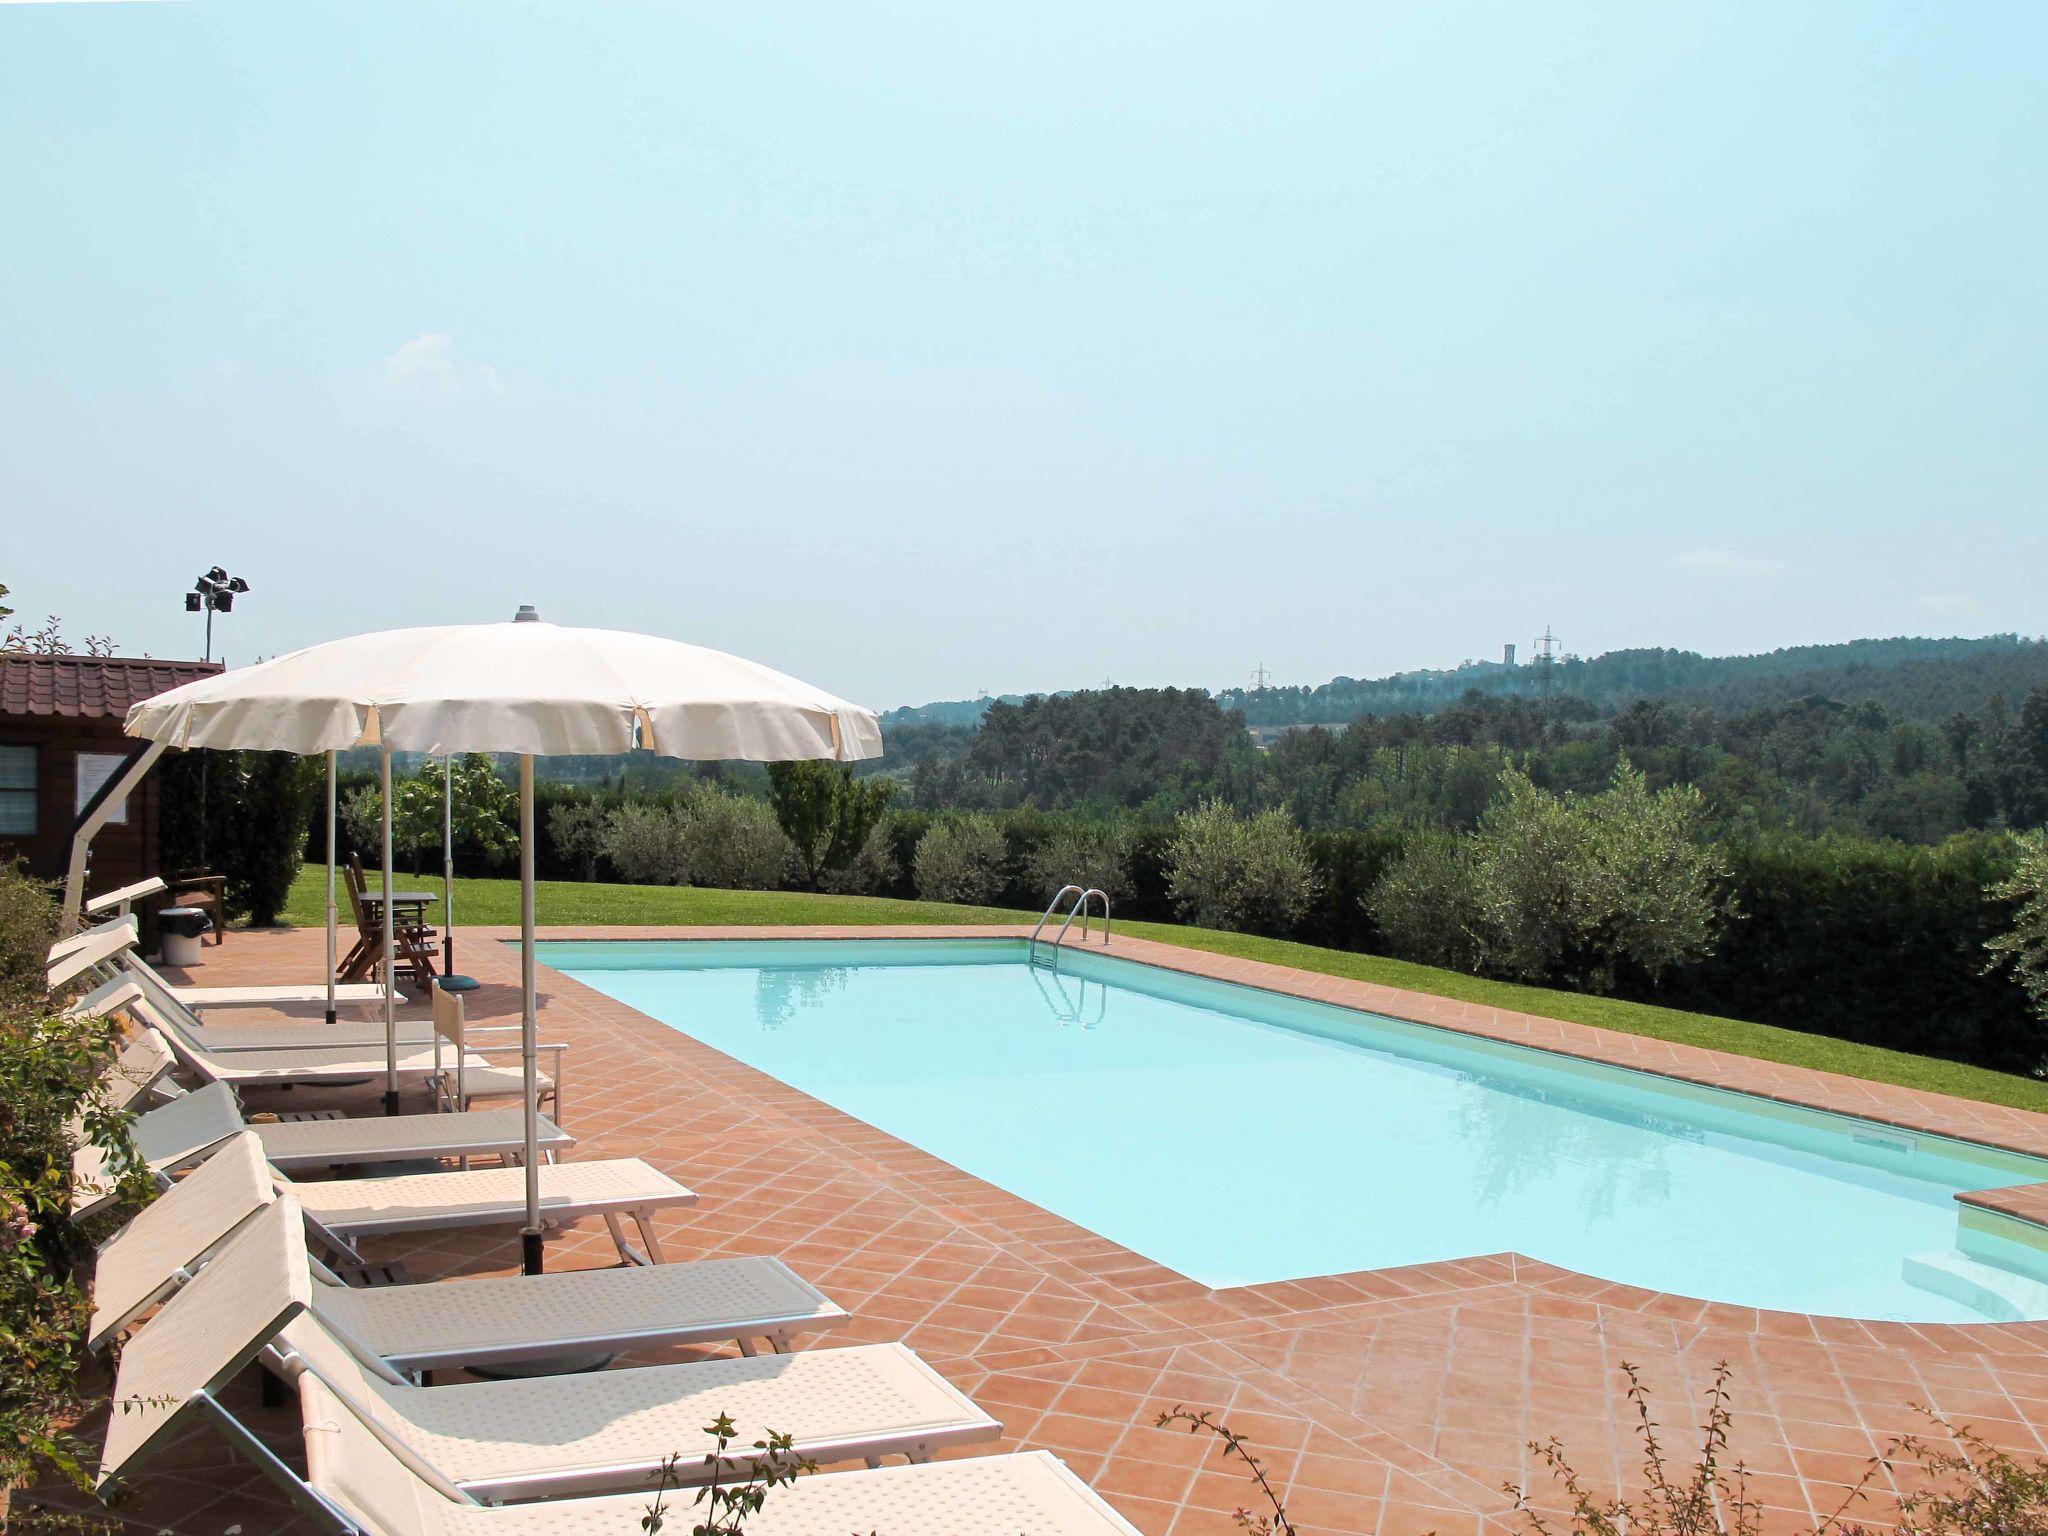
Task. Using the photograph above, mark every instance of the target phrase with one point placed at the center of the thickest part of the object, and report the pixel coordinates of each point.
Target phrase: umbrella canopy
(524, 687)
(535, 688)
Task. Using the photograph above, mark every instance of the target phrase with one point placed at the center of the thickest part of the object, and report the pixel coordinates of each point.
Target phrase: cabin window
(17, 791)
(94, 769)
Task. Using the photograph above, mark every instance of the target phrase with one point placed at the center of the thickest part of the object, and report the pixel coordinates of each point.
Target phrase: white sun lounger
(332, 1065)
(184, 1130)
(415, 1328)
(341, 1211)
(125, 983)
(313, 1055)
(113, 945)
(610, 1431)
(1028, 1493)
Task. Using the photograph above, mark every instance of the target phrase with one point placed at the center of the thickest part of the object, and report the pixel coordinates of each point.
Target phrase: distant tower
(1260, 677)
(1545, 646)
(1507, 654)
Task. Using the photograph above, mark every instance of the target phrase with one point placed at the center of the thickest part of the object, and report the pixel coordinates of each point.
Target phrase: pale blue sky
(920, 348)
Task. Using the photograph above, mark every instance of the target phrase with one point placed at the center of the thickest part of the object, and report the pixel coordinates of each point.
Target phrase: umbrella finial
(527, 614)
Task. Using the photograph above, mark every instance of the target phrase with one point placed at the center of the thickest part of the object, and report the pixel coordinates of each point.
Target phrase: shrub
(1965, 1487)
(873, 871)
(28, 927)
(2023, 948)
(1653, 886)
(577, 830)
(731, 841)
(50, 1097)
(1526, 864)
(1094, 857)
(1424, 906)
(646, 845)
(244, 814)
(961, 859)
(1252, 874)
(1552, 887)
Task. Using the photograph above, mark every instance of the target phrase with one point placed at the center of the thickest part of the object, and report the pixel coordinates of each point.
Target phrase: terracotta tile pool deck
(1391, 1401)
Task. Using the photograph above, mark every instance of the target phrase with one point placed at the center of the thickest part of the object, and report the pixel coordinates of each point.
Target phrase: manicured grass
(566, 902)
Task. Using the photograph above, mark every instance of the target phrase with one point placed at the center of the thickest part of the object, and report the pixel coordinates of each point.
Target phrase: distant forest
(1907, 739)
(1920, 679)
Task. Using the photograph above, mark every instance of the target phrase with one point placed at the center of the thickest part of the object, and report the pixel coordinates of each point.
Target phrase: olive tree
(960, 858)
(1094, 857)
(1551, 887)
(1248, 873)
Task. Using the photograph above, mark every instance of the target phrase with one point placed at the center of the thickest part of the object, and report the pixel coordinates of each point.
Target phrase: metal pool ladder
(1077, 908)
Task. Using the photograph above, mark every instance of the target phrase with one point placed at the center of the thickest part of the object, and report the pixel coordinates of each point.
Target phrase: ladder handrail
(1058, 897)
(1080, 909)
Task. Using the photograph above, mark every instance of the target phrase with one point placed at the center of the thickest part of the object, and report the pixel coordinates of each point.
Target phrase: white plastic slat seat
(611, 1430)
(1025, 1494)
(299, 1144)
(146, 1258)
(277, 996)
(363, 1039)
(529, 1317)
(206, 1333)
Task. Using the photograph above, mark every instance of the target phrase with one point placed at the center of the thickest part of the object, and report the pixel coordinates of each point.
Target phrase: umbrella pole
(390, 960)
(330, 888)
(448, 865)
(529, 1033)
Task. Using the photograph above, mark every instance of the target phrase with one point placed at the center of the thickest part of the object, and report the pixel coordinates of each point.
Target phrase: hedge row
(1877, 942)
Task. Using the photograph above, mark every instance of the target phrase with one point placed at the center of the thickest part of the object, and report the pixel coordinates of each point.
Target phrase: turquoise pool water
(1237, 1136)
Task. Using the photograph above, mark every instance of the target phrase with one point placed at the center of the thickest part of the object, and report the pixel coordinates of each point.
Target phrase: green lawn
(497, 901)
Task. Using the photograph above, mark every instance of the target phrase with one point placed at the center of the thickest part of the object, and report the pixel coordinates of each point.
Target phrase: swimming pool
(1240, 1136)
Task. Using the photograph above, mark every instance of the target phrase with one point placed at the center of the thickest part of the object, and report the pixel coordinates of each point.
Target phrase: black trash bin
(181, 929)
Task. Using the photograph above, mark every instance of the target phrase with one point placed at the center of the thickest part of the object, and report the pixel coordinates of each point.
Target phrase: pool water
(1238, 1136)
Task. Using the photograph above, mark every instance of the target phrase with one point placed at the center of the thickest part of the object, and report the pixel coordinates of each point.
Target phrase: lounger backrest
(88, 938)
(73, 957)
(206, 1333)
(181, 1131)
(111, 996)
(146, 1258)
(166, 1139)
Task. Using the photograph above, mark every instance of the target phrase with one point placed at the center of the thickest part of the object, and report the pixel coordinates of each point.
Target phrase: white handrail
(1078, 909)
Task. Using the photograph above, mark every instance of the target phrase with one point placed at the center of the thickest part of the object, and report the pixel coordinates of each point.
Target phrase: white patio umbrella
(523, 687)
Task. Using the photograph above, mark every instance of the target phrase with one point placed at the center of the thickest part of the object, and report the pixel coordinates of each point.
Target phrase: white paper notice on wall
(94, 769)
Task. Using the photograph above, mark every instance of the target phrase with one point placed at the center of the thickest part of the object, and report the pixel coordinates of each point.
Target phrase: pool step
(1997, 1292)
